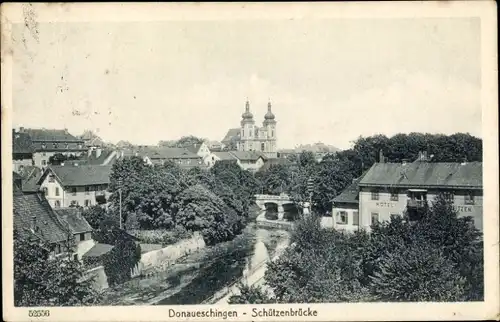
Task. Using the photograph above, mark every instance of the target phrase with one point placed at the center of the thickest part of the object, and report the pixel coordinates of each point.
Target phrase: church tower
(270, 127)
(246, 130)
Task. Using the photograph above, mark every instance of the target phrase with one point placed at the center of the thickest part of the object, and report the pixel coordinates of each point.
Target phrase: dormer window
(67, 146)
(51, 178)
(55, 145)
(44, 146)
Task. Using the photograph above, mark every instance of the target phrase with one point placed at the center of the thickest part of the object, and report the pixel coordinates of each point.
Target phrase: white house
(75, 185)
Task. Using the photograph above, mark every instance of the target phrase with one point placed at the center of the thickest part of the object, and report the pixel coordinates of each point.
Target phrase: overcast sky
(328, 80)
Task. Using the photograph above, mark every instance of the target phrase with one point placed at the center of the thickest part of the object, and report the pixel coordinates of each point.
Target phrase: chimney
(98, 152)
(381, 156)
(21, 129)
(33, 223)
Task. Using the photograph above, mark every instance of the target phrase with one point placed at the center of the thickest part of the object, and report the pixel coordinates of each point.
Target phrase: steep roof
(232, 134)
(30, 175)
(276, 161)
(51, 135)
(93, 159)
(194, 148)
(425, 174)
(248, 155)
(21, 143)
(47, 225)
(351, 193)
(81, 175)
(73, 219)
(225, 156)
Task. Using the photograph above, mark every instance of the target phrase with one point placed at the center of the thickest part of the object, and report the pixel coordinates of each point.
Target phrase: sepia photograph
(249, 161)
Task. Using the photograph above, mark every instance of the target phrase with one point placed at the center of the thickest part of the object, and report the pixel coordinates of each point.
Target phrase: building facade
(390, 189)
(75, 185)
(250, 137)
(48, 142)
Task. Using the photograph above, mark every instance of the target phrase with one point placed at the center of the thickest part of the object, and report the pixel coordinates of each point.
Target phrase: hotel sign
(385, 204)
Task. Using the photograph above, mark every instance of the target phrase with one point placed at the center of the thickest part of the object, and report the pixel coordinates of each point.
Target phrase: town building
(200, 149)
(251, 160)
(80, 229)
(33, 217)
(22, 150)
(29, 176)
(48, 142)
(91, 140)
(249, 137)
(345, 212)
(75, 185)
(390, 189)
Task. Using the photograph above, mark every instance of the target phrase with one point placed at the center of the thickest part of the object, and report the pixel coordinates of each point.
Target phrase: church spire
(269, 115)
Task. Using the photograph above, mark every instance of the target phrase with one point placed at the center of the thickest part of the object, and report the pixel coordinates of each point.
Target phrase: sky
(329, 80)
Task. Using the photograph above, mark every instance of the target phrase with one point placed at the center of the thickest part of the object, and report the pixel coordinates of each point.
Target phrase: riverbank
(197, 276)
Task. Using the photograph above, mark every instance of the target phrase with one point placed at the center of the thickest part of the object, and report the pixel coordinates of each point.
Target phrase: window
(469, 198)
(394, 196)
(44, 146)
(67, 146)
(45, 191)
(87, 203)
(375, 195)
(449, 196)
(262, 146)
(52, 178)
(57, 249)
(375, 219)
(87, 190)
(57, 204)
(355, 218)
(57, 191)
(55, 145)
(44, 162)
(74, 203)
(82, 237)
(73, 191)
(342, 217)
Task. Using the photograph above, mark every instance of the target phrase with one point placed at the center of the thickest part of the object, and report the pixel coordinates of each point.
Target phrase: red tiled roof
(51, 135)
(21, 143)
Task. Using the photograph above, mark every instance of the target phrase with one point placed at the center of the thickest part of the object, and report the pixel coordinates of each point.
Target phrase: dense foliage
(438, 258)
(214, 202)
(43, 281)
(59, 158)
(335, 171)
(122, 258)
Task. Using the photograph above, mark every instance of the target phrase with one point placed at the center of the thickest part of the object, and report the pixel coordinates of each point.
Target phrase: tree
(190, 140)
(250, 295)
(417, 272)
(275, 180)
(201, 210)
(95, 215)
(41, 281)
(59, 158)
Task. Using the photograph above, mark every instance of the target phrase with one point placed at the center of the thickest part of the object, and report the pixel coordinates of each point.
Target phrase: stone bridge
(264, 201)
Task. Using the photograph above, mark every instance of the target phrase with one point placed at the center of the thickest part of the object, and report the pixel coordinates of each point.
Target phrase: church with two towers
(250, 137)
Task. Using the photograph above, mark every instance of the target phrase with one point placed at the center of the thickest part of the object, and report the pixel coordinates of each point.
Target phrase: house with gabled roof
(75, 185)
(391, 189)
(79, 227)
(33, 216)
(247, 160)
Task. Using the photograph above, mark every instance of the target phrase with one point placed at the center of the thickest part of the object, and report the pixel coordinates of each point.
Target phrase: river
(202, 275)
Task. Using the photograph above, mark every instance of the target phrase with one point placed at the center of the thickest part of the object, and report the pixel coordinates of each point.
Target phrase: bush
(161, 236)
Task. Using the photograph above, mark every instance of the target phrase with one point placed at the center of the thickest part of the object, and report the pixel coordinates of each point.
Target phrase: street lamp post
(120, 192)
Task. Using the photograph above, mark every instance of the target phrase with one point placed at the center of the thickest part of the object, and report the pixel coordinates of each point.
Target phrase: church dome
(247, 115)
(269, 115)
